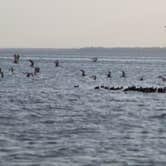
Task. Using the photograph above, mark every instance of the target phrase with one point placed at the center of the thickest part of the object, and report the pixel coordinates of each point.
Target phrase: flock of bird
(36, 70)
(134, 88)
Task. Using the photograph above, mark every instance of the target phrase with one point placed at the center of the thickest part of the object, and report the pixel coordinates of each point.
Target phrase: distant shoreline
(93, 51)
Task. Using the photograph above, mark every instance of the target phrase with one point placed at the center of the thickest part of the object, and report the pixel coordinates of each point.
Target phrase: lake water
(47, 121)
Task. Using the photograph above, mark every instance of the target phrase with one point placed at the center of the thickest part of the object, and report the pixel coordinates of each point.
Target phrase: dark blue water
(46, 121)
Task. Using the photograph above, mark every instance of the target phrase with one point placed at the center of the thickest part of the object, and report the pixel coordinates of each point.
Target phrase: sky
(82, 23)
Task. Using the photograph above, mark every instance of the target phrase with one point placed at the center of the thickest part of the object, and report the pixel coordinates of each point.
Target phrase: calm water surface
(46, 121)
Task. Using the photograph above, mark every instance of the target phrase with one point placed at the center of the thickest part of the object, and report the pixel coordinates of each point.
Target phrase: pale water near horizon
(47, 121)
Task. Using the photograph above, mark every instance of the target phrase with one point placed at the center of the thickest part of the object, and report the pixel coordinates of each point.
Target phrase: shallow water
(46, 121)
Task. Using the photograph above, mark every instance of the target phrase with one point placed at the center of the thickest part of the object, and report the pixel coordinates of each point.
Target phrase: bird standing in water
(31, 63)
(83, 73)
(36, 70)
(16, 58)
(93, 77)
(1, 73)
(12, 70)
(109, 74)
(56, 62)
(123, 74)
(163, 78)
(94, 59)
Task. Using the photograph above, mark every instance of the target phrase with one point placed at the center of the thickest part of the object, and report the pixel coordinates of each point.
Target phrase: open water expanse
(49, 120)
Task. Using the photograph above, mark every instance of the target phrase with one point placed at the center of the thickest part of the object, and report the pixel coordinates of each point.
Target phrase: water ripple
(47, 121)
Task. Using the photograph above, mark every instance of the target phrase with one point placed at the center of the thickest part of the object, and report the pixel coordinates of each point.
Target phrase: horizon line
(89, 47)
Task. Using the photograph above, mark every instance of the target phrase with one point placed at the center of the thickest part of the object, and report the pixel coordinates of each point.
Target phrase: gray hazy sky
(81, 23)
